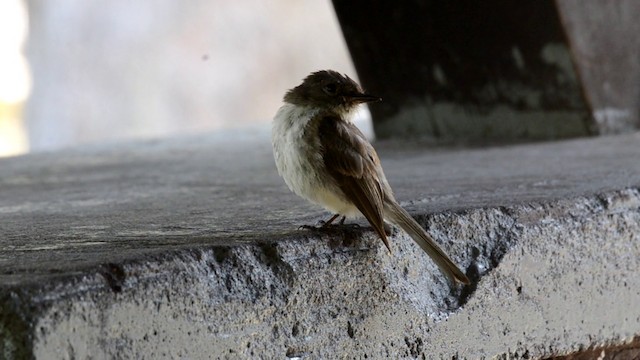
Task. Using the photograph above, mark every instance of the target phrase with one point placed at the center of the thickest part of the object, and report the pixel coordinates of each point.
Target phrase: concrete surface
(191, 249)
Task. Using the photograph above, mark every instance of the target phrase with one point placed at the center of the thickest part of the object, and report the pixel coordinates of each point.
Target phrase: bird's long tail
(399, 216)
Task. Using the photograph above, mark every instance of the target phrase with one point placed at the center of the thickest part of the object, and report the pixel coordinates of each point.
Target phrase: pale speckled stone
(190, 249)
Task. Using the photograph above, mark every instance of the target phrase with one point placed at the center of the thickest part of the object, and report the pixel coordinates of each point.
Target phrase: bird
(324, 158)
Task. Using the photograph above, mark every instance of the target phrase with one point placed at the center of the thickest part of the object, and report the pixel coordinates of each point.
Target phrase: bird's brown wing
(353, 163)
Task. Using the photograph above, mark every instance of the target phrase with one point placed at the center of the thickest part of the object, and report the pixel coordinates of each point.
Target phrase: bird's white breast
(297, 152)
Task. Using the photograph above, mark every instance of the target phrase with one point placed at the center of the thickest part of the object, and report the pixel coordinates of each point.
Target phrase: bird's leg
(349, 233)
(326, 225)
(328, 222)
(321, 224)
(341, 223)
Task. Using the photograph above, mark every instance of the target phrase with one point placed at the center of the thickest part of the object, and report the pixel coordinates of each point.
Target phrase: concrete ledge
(190, 248)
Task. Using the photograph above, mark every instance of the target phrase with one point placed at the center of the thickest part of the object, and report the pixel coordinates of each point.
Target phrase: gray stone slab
(191, 248)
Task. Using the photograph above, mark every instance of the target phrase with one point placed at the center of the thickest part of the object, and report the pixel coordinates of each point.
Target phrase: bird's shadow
(345, 235)
(340, 235)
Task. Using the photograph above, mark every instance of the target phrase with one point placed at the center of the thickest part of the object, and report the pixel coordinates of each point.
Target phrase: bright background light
(15, 81)
(116, 70)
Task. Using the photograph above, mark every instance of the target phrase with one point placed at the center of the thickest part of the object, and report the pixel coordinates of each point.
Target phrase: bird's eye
(330, 89)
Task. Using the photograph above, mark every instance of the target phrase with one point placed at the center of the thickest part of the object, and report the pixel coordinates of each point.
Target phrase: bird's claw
(309, 227)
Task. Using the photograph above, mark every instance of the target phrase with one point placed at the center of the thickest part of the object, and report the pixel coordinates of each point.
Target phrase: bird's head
(329, 90)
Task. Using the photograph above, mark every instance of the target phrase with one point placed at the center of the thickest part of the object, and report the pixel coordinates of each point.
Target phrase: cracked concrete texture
(169, 249)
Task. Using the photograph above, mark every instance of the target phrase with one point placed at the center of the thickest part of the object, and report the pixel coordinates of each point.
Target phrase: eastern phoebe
(325, 159)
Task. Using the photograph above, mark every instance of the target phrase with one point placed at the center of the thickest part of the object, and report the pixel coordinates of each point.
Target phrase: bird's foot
(323, 226)
(310, 227)
(342, 234)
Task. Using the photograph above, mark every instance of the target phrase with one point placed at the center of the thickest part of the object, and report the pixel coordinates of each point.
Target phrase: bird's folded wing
(353, 163)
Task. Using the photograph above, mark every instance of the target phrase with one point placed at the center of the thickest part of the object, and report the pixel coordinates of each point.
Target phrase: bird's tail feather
(399, 216)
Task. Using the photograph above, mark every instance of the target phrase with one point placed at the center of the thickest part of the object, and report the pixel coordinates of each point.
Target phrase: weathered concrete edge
(304, 297)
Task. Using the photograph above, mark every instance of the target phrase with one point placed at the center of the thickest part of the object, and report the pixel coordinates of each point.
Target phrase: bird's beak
(364, 98)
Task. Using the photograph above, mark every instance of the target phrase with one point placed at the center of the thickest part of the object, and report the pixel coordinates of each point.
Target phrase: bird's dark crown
(328, 89)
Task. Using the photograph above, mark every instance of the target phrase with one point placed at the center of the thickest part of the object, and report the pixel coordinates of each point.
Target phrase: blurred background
(76, 72)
